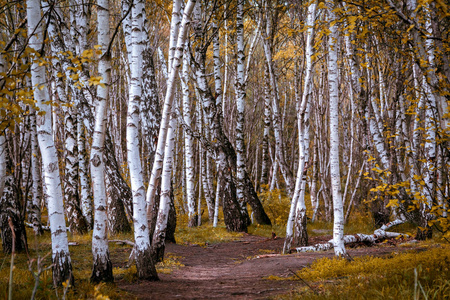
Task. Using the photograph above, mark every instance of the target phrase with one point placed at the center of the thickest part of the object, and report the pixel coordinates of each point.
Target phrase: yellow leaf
(87, 53)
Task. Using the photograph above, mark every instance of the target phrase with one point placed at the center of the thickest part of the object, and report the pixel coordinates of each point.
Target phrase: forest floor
(237, 269)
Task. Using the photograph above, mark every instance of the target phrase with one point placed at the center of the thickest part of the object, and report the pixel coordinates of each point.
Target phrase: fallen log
(122, 242)
(378, 235)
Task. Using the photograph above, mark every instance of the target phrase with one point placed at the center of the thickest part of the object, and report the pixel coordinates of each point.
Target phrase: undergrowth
(423, 274)
(381, 276)
(205, 234)
(81, 257)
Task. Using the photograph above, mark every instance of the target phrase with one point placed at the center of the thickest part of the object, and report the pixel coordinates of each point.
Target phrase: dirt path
(234, 270)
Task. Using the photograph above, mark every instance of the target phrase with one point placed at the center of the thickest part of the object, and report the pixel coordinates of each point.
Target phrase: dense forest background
(121, 116)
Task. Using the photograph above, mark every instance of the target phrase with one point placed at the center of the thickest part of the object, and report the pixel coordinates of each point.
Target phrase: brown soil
(236, 270)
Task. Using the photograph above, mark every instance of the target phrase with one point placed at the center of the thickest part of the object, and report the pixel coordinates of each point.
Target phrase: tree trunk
(10, 217)
(144, 263)
(102, 267)
(62, 266)
(159, 236)
(264, 181)
(338, 229)
(34, 214)
(77, 222)
(240, 105)
(168, 101)
(235, 216)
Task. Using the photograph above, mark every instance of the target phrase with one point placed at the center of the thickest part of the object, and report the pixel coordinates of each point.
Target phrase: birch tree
(62, 266)
(338, 228)
(78, 31)
(159, 236)
(188, 143)
(168, 101)
(144, 263)
(67, 93)
(267, 38)
(102, 267)
(240, 103)
(298, 206)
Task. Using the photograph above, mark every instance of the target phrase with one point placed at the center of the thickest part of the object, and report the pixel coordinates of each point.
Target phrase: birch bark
(144, 263)
(35, 216)
(102, 267)
(188, 144)
(168, 101)
(338, 228)
(265, 142)
(67, 94)
(240, 104)
(62, 266)
(300, 233)
(276, 119)
(159, 236)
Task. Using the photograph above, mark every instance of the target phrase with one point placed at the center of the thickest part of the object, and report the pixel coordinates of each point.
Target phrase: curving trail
(235, 270)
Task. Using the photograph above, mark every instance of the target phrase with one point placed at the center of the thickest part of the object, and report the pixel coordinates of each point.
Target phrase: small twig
(348, 257)
(108, 51)
(296, 275)
(40, 270)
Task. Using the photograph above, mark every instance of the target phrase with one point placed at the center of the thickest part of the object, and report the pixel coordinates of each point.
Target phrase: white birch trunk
(62, 266)
(219, 106)
(144, 264)
(175, 28)
(188, 143)
(265, 142)
(85, 187)
(80, 10)
(3, 139)
(163, 63)
(36, 189)
(102, 269)
(313, 185)
(159, 236)
(2, 163)
(297, 212)
(168, 101)
(240, 105)
(430, 124)
(127, 30)
(338, 228)
(301, 234)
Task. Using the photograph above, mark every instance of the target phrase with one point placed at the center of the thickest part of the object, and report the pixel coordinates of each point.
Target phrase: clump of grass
(390, 277)
(276, 205)
(82, 267)
(266, 230)
(171, 262)
(128, 274)
(205, 234)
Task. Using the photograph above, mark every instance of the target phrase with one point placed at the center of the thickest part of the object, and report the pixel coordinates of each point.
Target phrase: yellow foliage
(277, 206)
(389, 277)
